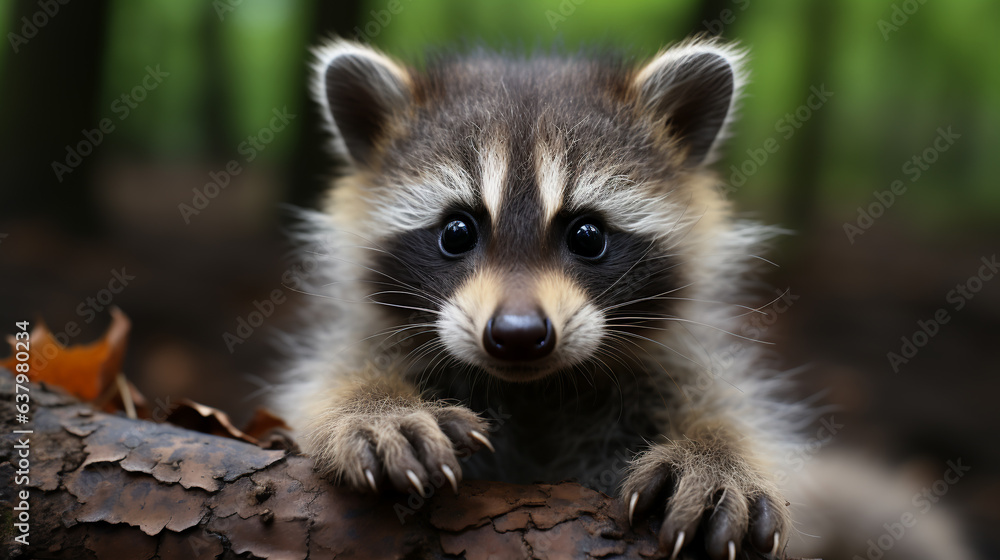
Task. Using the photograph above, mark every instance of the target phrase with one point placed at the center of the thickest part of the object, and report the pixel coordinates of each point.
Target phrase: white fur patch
(493, 162)
(403, 207)
(463, 318)
(550, 170)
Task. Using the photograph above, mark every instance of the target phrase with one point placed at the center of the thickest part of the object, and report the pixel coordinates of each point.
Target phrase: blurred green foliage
(894, 82)
(898, 71)
(229, 63)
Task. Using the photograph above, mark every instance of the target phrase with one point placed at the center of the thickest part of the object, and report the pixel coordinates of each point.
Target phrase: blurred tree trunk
(711, 11)
(53, 84)
(312, 165)
(805, 154)
(214, 115)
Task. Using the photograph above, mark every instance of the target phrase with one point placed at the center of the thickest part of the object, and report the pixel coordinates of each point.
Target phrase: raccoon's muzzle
(519, 335)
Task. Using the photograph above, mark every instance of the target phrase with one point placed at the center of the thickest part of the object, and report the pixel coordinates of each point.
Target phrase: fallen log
(102, 486)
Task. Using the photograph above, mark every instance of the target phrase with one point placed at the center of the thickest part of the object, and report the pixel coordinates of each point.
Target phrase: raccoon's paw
(412, 446)
(709, 495)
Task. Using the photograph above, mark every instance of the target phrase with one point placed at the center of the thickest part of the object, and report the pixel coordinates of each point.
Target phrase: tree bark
(104, 486)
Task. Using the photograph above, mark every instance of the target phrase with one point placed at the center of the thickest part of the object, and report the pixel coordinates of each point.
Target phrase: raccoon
(528, 260)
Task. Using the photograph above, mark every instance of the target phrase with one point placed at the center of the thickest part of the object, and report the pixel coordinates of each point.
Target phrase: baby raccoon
(530, 255)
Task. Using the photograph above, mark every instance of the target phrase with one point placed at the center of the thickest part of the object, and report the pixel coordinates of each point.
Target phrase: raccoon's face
(538, 213)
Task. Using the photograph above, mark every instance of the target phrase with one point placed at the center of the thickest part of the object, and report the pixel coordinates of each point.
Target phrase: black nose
(519, 336)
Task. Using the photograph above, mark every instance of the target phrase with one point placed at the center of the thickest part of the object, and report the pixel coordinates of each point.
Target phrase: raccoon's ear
(362, 92)
(693, 89)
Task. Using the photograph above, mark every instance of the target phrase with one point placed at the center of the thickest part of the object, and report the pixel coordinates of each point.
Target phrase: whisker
(379, 248)
(370, 269)
(401, 292)
(624, 274)
(658, 343)
(682, 320)
(396, 329)
(772, 263)
(640, 300)
(663, 399)
(697, 300)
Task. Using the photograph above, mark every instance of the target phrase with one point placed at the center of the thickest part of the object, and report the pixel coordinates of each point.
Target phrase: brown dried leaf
(207, 420)
(86, 371)
(264, 421)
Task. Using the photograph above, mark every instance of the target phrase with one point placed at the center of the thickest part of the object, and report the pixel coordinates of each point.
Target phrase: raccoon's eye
(458, 235)
(587, 239)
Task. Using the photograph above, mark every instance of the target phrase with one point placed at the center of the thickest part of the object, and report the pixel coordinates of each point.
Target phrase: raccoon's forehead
(531, 139)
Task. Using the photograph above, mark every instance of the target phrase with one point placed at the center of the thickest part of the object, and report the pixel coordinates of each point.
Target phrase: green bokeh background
(893, 87)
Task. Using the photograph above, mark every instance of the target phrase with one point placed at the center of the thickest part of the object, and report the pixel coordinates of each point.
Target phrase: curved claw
(450, 475)
(631, 506)
(482, 439)
(678, 545)
(371, 480)
(415, 482)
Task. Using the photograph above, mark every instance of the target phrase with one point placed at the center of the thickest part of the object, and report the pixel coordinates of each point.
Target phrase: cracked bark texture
(106, 487)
